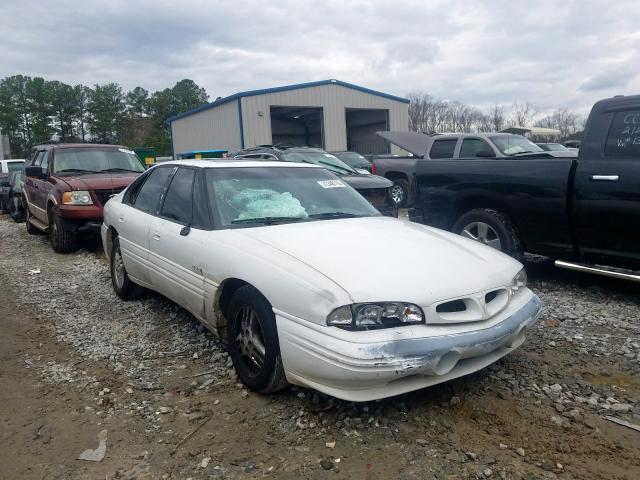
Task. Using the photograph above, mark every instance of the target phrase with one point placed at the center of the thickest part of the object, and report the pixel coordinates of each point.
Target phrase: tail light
(373, 168)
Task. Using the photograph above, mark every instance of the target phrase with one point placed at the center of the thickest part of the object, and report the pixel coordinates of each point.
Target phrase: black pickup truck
(584, 211)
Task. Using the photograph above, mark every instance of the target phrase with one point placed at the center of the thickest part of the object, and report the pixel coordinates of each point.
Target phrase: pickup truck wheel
(399, 192)
(62, 240)
(124, 288)
(490, 228)
(31, 230)
(252, 339)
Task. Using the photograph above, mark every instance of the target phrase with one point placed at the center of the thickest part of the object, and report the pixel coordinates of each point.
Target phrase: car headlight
(519, 282)
(79, 197)
(364, 316)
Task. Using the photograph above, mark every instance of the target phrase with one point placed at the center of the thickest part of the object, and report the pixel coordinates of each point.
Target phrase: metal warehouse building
(330, 114)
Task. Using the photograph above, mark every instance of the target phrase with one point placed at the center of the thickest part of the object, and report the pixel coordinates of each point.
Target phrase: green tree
(39, 109)
(137, 102)
(187, 95)
(106, 112)
(82, 95)
(64, 106)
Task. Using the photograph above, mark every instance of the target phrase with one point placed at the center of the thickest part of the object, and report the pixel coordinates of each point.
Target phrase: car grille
(470, 309)
(104, 195)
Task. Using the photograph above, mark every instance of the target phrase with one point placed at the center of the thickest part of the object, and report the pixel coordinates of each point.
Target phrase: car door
(140, 204)
(607, 186)
(33, 190)
(177, 241)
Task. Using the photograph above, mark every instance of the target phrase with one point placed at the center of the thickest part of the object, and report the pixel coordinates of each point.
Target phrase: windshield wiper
(348, 170)
(120, 170)
(521, 153)
(75, 170)
(335, 215)
(267, 220)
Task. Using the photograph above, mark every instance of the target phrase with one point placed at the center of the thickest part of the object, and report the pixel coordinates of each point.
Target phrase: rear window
(443, 148)
(624, 135)
(15, 166)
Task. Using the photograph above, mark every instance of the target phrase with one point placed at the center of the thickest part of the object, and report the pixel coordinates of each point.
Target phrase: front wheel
(399, 192)
(491, 228)
(123, 287)
(253, 344)
(15, 209)
(62, 240)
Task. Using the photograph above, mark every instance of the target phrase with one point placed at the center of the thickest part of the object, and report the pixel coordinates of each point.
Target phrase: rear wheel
(15, 209)
(124, 288)
(62, 240)
(253, 341)
(399, 192)
(491, 228)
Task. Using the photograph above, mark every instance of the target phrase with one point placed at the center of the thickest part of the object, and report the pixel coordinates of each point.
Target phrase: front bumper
(369, 371)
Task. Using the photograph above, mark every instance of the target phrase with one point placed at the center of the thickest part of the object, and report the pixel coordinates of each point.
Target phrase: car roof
(237, 163)
(49, 146)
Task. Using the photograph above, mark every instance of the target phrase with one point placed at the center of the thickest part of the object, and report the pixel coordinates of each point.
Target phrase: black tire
(122, 285)
(269, 377)
(499, 222)
(400, 186)
(62, 240)
(31, 230)
(15, 209)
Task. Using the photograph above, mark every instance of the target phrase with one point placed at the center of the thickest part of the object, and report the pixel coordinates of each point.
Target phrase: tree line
(430, 115)
(34, 110)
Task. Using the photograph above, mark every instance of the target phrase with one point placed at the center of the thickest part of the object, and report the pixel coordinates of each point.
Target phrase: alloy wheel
(118, 269)
(483, 233)
(397, 194)
(250, 339)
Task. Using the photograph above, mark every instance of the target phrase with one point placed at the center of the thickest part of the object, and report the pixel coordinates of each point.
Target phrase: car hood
(364, 181)
(99, 181)
(386, 259)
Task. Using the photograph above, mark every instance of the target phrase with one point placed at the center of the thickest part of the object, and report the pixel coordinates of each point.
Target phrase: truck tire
(491, 228)
(31, 230)
(122, 285)
(15, 209)
(399, 192)
(62, 240)
(258, 363)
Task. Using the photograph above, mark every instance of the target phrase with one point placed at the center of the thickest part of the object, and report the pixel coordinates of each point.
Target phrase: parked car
(258, 251)
(11, 196)
(453, 146)
(354, 160)
(13, 165)
(372, 187)
(67, 185)
(582, 211)
(552, 147)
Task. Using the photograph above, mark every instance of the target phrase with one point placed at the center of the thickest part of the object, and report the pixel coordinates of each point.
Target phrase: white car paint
(306, 270)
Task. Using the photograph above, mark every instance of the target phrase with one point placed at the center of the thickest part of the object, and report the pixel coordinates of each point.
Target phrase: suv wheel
(123, 287)
(252, 339)
(62, 240)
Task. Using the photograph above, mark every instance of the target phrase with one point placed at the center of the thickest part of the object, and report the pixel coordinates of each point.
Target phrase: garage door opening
(362, 125)
(300, 126)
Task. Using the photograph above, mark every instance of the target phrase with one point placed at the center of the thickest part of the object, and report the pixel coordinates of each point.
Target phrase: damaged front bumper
(338, 363)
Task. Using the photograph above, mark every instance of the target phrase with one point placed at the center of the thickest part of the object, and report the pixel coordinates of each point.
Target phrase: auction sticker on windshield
(125, 150)
(331, 183)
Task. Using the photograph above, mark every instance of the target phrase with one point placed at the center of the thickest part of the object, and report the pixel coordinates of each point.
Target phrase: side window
(178, 203)
(443, 148)
(148, 196)
(37, 159)
(471, 146)
(45, 161)
(624, 135)
(201, 217)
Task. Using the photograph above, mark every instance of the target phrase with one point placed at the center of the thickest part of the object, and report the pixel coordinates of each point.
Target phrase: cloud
(554, 54)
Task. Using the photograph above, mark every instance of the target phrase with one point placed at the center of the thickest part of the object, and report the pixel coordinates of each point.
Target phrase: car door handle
(120, 219)
(155, 235)
(605, 178)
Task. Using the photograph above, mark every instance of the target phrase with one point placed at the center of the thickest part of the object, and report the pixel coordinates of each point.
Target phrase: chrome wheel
(250, 339)
(118, 269)
(483, 233)
(397, 194)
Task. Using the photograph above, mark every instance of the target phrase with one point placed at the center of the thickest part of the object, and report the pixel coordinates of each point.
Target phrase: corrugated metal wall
(217, 127)
(332, 98)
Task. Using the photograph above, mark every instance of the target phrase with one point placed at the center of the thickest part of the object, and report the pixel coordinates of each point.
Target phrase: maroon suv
(66, 186)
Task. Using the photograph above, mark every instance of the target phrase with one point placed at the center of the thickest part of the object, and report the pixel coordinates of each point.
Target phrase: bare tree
(496, 117)
(522, 114)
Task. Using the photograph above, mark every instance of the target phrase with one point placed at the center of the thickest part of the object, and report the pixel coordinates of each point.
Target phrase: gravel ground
(76, 360)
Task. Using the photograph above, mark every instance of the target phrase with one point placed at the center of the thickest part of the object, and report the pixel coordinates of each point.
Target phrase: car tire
(492, 228)
(15, 209)
(250, 315)
(31, 230)
(399, 192)
(62, 240)
(122, 285)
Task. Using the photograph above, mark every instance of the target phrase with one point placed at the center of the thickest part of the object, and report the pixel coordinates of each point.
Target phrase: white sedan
(309, 283)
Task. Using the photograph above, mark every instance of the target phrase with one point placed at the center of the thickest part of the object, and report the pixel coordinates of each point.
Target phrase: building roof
(252, 93)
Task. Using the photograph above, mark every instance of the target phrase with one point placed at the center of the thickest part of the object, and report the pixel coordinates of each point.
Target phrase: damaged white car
(309, 283)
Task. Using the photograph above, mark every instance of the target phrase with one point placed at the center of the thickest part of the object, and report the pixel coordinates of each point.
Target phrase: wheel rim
(118, 269)
(397, 193)
(483, 233)
(250, 340)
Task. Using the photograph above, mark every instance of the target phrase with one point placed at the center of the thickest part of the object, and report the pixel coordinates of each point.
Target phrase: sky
(554, 54)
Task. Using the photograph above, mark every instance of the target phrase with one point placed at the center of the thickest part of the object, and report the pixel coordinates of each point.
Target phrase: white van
(13, 165)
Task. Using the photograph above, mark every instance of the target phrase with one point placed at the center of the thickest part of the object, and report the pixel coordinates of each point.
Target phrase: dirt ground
(75, 360)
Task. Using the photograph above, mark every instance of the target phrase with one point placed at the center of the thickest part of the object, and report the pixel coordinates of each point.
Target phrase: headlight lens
(519, 282)
(364, 316)
(79, 197)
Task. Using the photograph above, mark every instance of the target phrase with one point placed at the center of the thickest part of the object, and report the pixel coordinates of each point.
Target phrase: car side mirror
(485, 154)
(36, 172)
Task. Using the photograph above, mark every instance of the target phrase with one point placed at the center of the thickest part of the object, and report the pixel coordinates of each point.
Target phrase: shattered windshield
(255, 196)
(323, 159)
(514, 144)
